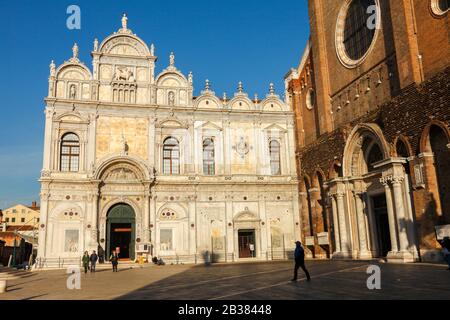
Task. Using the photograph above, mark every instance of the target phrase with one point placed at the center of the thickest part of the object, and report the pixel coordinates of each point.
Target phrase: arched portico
(370, 203)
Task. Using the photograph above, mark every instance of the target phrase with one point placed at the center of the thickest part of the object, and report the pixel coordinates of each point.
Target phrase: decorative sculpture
(171, 98)
(242, 147)
(172, 59)
(124, 22)
(152, 49)
(124, 74)
(96, 44)
(75, 51)
(73, 92)
(52, 69)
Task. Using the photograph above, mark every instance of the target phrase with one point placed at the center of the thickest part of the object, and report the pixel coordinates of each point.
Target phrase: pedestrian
(446, 250)
(85, 261)
(93, 259)
(114, 260)
(299, 256)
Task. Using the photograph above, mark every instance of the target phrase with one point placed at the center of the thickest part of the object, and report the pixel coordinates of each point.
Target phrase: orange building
(371, 97)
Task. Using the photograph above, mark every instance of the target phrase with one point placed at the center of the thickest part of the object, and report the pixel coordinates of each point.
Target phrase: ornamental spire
(240, 87)
(271, 89)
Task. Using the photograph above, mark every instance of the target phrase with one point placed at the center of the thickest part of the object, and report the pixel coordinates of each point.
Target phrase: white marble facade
(117, 118)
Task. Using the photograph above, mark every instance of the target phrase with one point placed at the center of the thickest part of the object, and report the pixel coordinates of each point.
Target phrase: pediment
(72, 117)
(209, 126)
(275, 128)
(172, 123)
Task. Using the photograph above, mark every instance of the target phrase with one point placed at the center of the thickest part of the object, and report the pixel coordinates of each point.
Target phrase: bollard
(3, 286)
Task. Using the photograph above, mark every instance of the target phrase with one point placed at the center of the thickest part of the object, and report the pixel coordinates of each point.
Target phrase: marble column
(359, 200)
(391, 215)
(42, 237)
(337, 239)
(400, 212)
(93, 234)
(345, 246)
(147, 218)
(47, 139)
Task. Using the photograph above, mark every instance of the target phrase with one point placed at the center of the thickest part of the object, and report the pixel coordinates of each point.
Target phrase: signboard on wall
(322, 239)
(309, 241)
(442, 232)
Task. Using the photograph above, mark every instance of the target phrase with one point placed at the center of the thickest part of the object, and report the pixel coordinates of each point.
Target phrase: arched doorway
(121, 231)
(439, 147)
(364, 209)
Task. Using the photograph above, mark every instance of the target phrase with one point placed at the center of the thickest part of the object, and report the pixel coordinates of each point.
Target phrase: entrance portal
(246, 240)
(382, 223)
(121, 231)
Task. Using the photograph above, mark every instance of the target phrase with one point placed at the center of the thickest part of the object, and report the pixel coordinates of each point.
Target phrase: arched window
(274, 149)
(208, 157)
(70, 153)
(171, 156)
(375, 155)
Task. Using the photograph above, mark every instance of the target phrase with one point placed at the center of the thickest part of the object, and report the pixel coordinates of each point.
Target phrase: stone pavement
(252, 281)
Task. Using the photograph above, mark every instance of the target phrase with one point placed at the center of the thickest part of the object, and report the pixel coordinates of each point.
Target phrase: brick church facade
(371, 101)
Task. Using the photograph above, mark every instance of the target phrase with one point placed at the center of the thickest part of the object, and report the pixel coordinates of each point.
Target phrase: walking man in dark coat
(93, 258)
(299, 256)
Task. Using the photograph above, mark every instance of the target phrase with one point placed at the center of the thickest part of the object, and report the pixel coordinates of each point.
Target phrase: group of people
(90, 261)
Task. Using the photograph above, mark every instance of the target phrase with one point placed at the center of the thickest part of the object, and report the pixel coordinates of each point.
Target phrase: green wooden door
(121, 215)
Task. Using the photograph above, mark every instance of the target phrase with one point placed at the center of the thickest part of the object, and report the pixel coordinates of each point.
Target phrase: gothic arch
(354, 149)
(335, 170)
(405, 141)
(425, 145)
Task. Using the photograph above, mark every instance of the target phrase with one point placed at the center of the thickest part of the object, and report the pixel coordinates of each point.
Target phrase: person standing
(299, 256)
(114, 260)
(93, 259)
(85, 261)
(446, 250)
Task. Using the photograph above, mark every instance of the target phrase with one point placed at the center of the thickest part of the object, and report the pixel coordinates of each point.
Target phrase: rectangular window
(22, 220)
(7, 220)
(13, 220)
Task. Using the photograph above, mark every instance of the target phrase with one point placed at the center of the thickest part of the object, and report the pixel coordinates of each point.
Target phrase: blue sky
(252, 41)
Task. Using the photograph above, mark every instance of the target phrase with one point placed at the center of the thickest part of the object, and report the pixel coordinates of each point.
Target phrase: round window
(356, 30)
(310, 99)
(440, 7)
